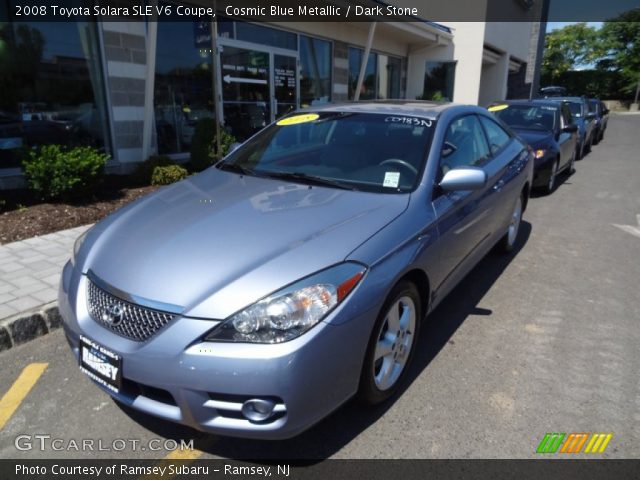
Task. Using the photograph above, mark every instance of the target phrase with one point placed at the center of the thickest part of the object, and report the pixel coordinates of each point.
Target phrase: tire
(587, 148)
(579, 151)
(553, 175)
(389, 353)
(571, 169)
(508, 242)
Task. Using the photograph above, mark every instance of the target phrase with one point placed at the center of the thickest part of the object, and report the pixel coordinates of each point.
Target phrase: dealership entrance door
(259, 85)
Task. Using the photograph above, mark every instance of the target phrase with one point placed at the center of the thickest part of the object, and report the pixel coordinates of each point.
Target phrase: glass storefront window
(51, 84)
(439, 78)
(250, 32)
(315, 71)
(183, 83)
(389, 77)
(368, 90)
(382, 75)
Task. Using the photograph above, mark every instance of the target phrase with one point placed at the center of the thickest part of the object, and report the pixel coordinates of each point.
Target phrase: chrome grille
(137, 323)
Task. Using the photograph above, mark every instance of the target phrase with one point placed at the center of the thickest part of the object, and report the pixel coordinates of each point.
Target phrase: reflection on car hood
(241, 236)
(535, 138)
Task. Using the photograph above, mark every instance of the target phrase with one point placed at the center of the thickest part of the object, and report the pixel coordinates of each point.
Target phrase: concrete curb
(26, 326)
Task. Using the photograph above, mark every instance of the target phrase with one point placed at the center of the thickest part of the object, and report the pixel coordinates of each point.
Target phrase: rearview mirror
(464, 178)
(570, 128)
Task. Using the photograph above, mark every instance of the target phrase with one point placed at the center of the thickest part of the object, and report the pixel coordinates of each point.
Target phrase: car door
(463, 217)
(502, 169)
(566, 140)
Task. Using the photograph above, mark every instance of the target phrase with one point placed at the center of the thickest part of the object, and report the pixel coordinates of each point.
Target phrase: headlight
(78, 243)
(293, 310)
(540, 153)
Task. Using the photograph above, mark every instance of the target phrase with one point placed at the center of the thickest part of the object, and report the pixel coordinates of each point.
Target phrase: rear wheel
(392, 344)
(508, 242)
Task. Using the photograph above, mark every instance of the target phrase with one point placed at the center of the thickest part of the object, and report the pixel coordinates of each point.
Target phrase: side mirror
(570, 128)
(605, 111)
(591, 116)
(464, 178)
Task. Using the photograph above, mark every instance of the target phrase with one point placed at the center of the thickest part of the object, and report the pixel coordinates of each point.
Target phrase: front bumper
(177, 376)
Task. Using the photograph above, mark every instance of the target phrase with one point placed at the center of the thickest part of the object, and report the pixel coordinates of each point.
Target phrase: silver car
(255, 298)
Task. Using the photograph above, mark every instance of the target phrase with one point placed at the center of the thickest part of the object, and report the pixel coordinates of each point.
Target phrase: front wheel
(553, 173)
(572, 164)
(392, 344)
(508, 242)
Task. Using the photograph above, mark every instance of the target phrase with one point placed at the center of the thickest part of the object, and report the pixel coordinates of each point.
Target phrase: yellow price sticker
(497, 108)
(307, 117)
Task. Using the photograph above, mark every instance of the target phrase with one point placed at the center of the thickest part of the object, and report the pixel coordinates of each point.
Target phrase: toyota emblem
(113, 315)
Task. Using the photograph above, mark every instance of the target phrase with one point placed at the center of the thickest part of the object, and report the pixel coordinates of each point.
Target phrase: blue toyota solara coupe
(256, 297)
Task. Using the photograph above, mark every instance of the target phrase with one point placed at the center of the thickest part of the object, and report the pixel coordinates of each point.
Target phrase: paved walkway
(30, 270)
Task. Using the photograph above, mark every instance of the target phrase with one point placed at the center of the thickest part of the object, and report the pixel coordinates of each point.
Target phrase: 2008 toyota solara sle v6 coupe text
(256, 297)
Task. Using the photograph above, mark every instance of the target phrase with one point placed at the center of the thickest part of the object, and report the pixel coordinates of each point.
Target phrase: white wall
(467, 52)
(511, 37)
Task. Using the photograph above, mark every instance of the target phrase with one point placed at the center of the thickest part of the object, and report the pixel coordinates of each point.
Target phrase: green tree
(569, 48)
(621, 40)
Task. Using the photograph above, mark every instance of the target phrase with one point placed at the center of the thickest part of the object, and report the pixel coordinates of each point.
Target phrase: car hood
(216, 242)
(535, 138)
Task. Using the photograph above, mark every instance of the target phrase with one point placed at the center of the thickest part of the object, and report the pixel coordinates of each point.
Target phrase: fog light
(257, 409)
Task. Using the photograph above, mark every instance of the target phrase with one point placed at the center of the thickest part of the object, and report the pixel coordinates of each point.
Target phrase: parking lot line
(19, 390)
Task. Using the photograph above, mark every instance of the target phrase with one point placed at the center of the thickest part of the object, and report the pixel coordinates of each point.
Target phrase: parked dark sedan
(601, 112)
(583, 118)
(547, 127)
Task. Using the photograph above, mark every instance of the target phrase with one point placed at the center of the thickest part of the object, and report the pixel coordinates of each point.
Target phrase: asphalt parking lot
(543, 340)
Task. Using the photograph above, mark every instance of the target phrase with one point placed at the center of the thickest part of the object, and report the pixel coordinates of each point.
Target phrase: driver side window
(465, 145)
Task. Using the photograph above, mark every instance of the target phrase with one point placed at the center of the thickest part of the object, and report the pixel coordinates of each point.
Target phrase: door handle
(498, 186)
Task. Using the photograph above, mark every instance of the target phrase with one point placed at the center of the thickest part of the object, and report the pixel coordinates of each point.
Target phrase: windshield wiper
(310, 179)
(234, 167)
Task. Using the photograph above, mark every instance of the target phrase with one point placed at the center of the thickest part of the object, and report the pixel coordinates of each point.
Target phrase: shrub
(203, 144)
(203, 135)
(167, 175)
(54, 172)
(226, 140)
(145, 170)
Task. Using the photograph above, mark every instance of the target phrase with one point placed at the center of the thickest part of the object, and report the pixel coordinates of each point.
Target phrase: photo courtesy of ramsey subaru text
(256, 297)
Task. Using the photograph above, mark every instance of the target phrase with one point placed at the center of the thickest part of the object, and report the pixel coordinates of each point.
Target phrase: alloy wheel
(394, 344)
(514, 224)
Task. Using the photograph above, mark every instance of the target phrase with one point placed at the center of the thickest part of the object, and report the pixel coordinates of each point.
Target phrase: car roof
(567, 99)
(420, 108)
(536, 101)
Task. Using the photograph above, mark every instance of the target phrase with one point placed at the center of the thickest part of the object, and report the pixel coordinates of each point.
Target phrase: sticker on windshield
(391, 179)
(418, 122)
(497, 108)
(307, 117)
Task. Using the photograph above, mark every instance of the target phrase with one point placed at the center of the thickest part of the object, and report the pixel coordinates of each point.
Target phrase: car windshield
(358, 151)
(536, 117)
(593, 106)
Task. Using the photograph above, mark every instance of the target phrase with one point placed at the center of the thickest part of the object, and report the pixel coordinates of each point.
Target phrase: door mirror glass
(570, 128)
(464, 178)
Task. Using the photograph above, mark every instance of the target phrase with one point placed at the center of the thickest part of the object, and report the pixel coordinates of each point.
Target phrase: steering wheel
(400, 162)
